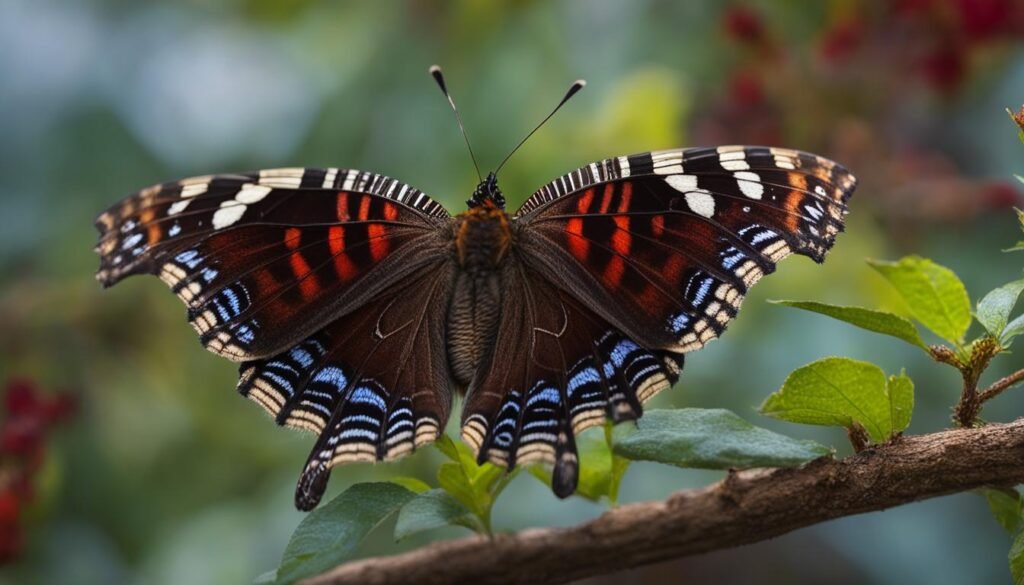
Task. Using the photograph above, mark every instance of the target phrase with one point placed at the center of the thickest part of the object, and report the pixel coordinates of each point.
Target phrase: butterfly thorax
(483, 237)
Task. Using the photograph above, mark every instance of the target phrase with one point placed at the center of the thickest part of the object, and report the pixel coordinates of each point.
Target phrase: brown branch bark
(746, 507)
(1001, 384)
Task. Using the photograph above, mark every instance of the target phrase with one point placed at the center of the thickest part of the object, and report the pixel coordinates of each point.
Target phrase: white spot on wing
(251, 193)
(701, 202)
(178, 206)
(194, 189)
(750, 184)
(682, 183)
(228, 214)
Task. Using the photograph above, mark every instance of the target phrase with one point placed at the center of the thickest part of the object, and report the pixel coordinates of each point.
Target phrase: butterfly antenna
(435, 72)
(575, 87)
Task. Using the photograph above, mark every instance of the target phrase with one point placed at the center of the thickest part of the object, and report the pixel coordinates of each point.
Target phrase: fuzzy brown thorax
(483, 236)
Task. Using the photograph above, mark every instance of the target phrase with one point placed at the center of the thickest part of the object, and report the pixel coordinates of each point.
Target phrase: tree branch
(745, 507)
(1001, 384)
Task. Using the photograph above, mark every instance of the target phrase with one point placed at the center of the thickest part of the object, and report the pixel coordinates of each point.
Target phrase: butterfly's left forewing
(262, 259)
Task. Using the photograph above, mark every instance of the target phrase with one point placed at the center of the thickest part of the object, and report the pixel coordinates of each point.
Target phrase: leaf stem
(858, 437)
(971, 365)
(1001, 384)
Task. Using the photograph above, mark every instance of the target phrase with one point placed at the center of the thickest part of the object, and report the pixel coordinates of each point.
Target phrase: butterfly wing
(329, 285)
(624, 266)
(557, 368)
(261, 259)
(666, 244)
(373, 384)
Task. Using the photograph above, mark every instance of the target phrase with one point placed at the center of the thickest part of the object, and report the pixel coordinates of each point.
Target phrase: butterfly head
(487, 194)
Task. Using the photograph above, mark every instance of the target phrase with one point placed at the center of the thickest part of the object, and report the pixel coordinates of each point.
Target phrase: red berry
(944, 68)
(983, 19)
(10, 507)
(21, 397)
(743, 25)
(21, 436)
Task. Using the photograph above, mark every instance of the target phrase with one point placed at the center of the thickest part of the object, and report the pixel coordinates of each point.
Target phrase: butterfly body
(357, 306)
(482, 243)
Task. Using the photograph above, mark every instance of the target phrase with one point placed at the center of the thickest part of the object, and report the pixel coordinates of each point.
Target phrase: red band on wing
(342, 264)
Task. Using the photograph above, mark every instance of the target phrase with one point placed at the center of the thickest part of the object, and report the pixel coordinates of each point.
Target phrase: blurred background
(140, 463)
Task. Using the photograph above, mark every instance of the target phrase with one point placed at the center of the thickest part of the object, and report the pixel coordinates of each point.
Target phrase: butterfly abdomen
(482, 240)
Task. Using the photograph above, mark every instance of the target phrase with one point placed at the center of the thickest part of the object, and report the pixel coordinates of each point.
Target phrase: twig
(749, 506)
(1001, 384)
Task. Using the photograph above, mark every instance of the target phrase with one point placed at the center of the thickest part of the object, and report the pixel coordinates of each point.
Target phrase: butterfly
(358, 307)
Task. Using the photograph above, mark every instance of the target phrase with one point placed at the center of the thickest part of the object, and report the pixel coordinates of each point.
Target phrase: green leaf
(933, 294)
(710, 439)
(870, 319)
(429, 510)
(1016, 557)
(1013, 329)
(415, 485)
(447, 446)
(474, 486)
(619, 466)
(840, 392)
(595, 470)
(901, 401)
(330, 534)
(994, 310)
(1005, 505)
(266, 578)
(1020, 218)
(453, 480)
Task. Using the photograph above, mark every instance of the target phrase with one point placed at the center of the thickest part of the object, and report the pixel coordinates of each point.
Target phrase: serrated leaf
(330, 534)
(1005, 505)
(429, 510)
(840, 392)
(869, 319)
(994, 310)
(1016, 558)
(710, 439)
(933, 294)
(414, 485)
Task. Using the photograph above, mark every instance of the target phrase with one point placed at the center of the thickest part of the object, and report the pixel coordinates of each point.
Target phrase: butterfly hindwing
(570, 370)
(373, 384)
(260, 259)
